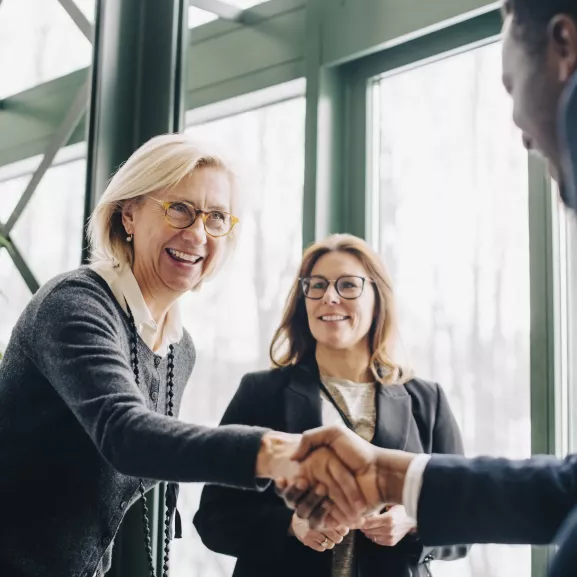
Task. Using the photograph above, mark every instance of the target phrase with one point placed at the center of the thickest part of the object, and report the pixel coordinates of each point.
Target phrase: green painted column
(136, 83)
(136, 93)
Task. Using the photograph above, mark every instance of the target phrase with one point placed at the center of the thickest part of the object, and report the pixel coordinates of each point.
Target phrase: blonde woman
(95, 370)
(334, 361)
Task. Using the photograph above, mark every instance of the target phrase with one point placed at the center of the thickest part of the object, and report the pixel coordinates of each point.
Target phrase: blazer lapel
(393, 417)
(303, 408)
(303, 400)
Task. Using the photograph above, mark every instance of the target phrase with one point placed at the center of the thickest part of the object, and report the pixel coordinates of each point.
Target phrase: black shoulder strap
(332, 401)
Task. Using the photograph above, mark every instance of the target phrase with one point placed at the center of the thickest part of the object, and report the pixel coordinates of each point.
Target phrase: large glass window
(48, 233)
(14, 296)
(450, 218)
(233, 317)
(39, 42)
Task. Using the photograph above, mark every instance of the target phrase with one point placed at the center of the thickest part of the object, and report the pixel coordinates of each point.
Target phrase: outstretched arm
(462, 501)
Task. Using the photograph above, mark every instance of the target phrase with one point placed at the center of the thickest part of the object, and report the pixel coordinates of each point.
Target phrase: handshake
(331, 476)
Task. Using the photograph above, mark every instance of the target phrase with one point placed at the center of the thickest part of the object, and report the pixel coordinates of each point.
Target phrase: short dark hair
(533, 17)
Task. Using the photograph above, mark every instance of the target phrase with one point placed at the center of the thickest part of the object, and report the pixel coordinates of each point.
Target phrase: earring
(129, 238)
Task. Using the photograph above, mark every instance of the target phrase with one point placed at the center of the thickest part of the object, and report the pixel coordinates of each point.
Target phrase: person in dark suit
(456, 500)
(334, 365)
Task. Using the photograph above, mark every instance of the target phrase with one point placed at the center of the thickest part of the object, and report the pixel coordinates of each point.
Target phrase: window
(566, 393)
(47, 41)
(233, 317)
(450, 218)
(48, 233)
(14, 296)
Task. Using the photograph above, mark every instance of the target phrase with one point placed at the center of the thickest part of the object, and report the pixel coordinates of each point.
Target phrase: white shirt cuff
(413, 483)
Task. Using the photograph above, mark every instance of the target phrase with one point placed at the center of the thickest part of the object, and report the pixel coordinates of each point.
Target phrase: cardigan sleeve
(76, 345)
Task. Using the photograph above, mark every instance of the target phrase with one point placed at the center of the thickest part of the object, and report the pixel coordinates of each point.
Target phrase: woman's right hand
(317, 540)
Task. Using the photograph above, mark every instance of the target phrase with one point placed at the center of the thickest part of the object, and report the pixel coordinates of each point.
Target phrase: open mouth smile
(183, 257)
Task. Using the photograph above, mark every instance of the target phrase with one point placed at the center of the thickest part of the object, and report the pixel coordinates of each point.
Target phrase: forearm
(143, 444)
(153, 446)
(482, 500)
(392, 469)
(495, 500)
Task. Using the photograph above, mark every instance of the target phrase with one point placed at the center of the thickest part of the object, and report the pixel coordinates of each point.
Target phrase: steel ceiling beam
(19, 262)
(79, 18)
(59, 139)
(222, 9)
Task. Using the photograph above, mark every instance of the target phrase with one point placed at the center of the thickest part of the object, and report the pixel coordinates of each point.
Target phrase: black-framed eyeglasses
(180, 214)
(349, 287)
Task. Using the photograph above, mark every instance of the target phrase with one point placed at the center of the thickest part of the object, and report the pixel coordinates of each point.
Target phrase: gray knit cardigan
(76, 432)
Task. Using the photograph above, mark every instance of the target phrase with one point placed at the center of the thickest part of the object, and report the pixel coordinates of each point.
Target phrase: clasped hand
(316, 540)
(338, 478)
(388, 528)
(385, 529)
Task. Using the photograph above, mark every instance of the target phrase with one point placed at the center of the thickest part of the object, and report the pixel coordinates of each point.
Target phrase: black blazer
(254, 526)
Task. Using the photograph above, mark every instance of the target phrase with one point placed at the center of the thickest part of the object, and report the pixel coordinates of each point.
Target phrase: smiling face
(535, 78)
(336, 322)
(531, 81)
(170, 260)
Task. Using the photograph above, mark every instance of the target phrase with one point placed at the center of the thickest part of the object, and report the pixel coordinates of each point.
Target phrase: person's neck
(157, 300)
(349, 364)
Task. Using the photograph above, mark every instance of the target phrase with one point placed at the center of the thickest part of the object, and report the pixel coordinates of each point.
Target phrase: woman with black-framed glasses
(335, 364)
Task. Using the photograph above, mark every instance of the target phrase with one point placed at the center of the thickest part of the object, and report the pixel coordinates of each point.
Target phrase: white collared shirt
(413, 484)
(124, 287)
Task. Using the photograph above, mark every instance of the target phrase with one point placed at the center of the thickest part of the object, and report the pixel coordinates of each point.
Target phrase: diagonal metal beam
(222, 9)
(79, 19)
(59, 139)
(19, 262)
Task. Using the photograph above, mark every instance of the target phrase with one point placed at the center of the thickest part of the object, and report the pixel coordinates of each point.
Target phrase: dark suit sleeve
(244, 523)
(565, 560)
(446, 439)
(486, 500)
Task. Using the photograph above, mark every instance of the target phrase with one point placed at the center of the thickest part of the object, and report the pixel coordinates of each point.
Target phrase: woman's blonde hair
(159, 164)
(293, 341)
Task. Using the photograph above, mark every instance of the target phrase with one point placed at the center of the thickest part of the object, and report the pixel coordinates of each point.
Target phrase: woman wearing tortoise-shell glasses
(181, 214)
(95, 371)
(335, 364)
